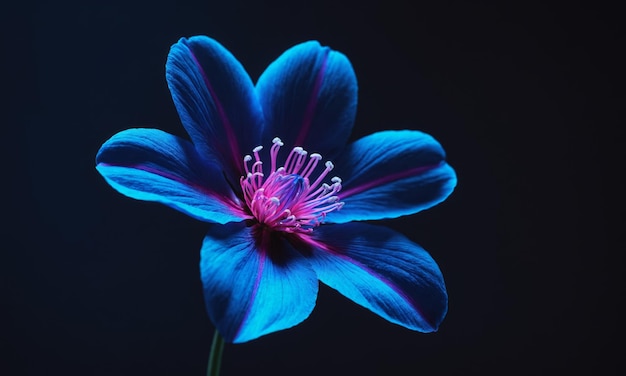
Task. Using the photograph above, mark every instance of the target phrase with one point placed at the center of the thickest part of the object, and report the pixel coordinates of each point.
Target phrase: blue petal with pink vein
(309, 99)
(152, 165)
(216, 101)
(389, 174)
(381, 270)
(254, 282)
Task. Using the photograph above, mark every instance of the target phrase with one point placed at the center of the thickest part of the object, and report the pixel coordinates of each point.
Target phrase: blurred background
(526, 99)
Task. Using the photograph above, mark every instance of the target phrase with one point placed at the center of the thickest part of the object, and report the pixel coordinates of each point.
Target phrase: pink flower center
(285, 199)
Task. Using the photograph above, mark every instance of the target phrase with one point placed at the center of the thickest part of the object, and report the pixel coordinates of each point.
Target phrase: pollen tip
(257, 149)
(247, 158)
(298, 149)
(315, 156)
(277, 140)
(329, 165)
(336, 179)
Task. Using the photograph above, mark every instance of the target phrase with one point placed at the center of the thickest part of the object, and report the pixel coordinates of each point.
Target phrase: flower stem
(215, 358)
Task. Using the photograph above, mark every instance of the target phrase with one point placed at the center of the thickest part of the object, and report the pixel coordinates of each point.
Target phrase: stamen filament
(285, 200)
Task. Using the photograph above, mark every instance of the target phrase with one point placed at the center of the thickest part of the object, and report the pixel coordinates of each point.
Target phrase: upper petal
(382, 271)
(309, 98)
(151, 165)
(392, 173)
(254, 282)
(216, 101)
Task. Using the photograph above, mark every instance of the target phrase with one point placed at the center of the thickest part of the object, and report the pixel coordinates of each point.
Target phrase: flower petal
(151, 165)
(392, 173)
(254, 282)
(216, 101)
(309, 98)
(383, 271)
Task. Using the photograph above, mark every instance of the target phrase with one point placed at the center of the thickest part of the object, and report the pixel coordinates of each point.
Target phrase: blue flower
(281, 220)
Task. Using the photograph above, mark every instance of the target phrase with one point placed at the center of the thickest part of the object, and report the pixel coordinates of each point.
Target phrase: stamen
(277, 143)
(294, 151)
(313, 160)
(329, 166)
(246, 159)
(299, 161)
(284, 200)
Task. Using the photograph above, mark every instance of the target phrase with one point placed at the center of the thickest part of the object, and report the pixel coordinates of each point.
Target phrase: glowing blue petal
(392, 173)
(383, 271)
(216, 101)
(151, 165)
(254, 283)
(309, 98)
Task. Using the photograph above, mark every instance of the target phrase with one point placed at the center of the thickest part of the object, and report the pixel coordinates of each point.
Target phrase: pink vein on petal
(386, 179)
(230, 135)
(374, 274)
(232, 205)
(255, 289)
(310, 108)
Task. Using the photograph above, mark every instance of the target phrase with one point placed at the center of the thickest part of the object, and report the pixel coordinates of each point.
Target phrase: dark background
(525, 98)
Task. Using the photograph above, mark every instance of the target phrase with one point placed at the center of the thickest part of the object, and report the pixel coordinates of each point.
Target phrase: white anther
(278, 141)
(315, 156)
(329, 165)
(336, 179)
(257, 149)
(247, 158)
(275, 200)
(298, 149)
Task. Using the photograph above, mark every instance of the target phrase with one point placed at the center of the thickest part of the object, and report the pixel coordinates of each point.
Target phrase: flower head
(258, 167)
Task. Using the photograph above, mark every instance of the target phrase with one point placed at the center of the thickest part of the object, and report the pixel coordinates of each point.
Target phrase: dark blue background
(526, 99)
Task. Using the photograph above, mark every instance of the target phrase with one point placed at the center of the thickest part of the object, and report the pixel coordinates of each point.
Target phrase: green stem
(215, 359)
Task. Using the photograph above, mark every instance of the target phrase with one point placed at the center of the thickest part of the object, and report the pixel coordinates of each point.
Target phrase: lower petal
(383, 271)
(254, 282)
